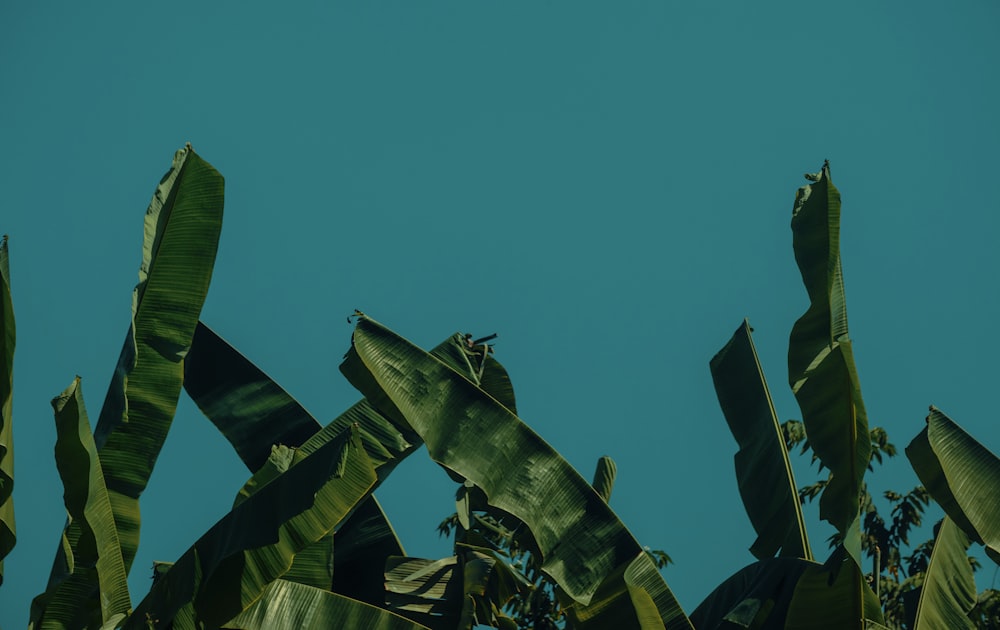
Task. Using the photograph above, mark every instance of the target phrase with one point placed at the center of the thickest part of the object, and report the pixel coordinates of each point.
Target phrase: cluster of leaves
(898, 565)
(537, 605)
(536, 545)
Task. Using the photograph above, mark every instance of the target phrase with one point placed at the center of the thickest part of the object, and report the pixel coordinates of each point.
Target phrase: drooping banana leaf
(948, 593)
(92, 551)
(821, 367)
(766, 481)
(229, 567)
(8, 533)
(182, 228)
(785, 593)
(580, 539)
(291, 606)
(250, 409)
(962, 475)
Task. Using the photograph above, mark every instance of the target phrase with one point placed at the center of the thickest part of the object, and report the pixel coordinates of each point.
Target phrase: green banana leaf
(92, 551)
(630, 597)
(8, 533)
(763, 470)
(948, 593)
(181, 237)
(820, 600)
(292, 606)
(962, 475)
(604, 477)
(229, 567)
(478, 364)
(249, 409)
(255, 414)
(784, 593)
(821, 367)
(364, 543)
(469, 432)
(457, 592)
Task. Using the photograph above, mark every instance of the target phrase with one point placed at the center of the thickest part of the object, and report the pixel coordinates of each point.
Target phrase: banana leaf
(962, 475)
(822, 595)
(604, 477)
(91, 549)
(256, 415)
(181, 238)
(766, 481)
(8, 533)
(249, 409)
(630, 597)
(292, 606)
(948, 593)
(784, 593)
(363, 544)
(579, 538)
(230, 566)
(821, 367)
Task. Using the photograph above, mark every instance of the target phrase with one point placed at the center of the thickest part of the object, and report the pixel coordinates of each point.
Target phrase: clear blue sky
(607, 186)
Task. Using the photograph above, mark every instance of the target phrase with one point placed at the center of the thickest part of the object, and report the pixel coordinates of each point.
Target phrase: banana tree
(793, 590)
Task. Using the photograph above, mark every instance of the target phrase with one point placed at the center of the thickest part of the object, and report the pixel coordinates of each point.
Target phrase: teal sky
(607, 186)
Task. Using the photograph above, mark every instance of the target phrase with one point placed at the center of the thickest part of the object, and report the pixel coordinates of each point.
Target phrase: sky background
(607, 186)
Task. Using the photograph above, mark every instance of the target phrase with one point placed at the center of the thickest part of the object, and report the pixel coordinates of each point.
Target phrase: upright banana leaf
(581, 541)
(291, 606)
(948, 593)
(229, 567)
(820, 361)
(92, 551)
(763, 471)
(962, 475)
(182, 228)
(7, 338)
(785, 593)
(604, 477)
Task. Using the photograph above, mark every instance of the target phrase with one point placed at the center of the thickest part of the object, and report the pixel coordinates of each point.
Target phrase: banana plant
(7, 342)
(793, 590)
(181, 233)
